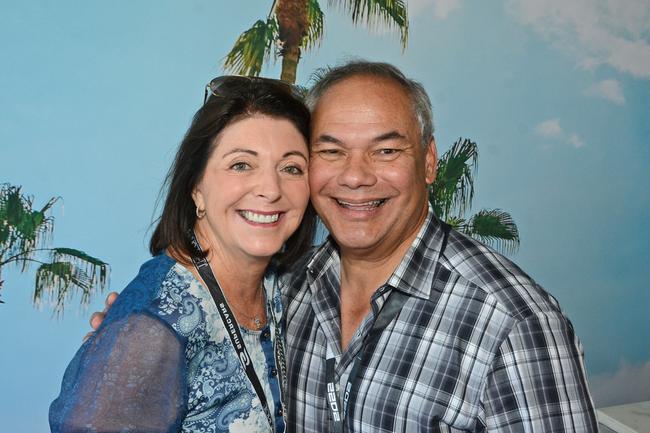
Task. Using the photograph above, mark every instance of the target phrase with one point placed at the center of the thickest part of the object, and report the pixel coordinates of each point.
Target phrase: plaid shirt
(477, 347)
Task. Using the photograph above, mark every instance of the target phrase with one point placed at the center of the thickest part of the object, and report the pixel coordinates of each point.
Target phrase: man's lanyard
(389, 311)
(230, 322)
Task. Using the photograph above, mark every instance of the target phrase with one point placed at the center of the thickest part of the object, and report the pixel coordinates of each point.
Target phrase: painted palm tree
(23, 235)
(451, 196)
(292, 26)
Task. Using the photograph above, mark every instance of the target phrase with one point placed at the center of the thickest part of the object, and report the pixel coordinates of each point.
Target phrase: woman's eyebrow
(240, 150)
(296, 153)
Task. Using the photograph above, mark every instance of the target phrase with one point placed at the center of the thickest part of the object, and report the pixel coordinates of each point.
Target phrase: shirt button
(266, 334)
(274, 372)
(280, 411)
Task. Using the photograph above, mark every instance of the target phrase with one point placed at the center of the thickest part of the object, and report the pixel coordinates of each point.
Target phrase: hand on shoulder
(97, 317)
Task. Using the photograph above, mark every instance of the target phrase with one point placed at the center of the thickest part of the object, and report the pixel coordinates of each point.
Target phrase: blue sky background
(97, 95)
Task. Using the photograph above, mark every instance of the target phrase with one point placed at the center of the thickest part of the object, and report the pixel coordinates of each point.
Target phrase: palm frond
(390, 12)
(453, 189)
(455, 222)
(252, 48)
(315, 18)
(69, 269)
(22, 229)
(300, 91)
(317, 75)
(493, 227)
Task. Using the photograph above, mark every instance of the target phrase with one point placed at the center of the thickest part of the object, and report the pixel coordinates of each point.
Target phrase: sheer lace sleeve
(129, 377)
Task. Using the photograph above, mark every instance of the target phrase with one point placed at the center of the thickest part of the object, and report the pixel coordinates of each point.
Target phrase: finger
(110, 299)
(96, 319)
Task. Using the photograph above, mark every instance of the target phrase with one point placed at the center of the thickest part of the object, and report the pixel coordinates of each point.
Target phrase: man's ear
(431, 161)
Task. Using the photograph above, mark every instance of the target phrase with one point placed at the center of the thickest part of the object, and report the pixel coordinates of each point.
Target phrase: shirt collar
(413, 276)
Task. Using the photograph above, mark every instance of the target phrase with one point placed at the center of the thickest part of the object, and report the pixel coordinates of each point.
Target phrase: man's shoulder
(497, 277)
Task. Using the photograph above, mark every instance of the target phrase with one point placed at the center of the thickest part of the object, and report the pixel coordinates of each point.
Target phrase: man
(463, 340)
(401, 324)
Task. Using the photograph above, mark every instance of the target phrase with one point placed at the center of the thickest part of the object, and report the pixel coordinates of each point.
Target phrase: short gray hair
(327, 77)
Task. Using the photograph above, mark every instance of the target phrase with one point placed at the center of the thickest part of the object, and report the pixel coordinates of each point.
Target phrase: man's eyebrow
(240, 150)
(325, 138)
(296, 153)
(392, 135)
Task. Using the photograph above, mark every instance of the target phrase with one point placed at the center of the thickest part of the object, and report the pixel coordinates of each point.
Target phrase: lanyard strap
(230, 322)
(389, 311)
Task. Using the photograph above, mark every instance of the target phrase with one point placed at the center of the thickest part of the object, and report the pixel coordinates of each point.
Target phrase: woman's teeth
(260, 218)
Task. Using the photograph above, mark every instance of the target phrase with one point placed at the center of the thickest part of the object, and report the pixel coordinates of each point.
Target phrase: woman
(194, 342)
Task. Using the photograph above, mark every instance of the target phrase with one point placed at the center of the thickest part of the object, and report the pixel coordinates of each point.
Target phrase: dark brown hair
(232, 103)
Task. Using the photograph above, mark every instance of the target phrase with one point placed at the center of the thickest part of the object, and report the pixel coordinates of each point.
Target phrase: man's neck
(361, 276)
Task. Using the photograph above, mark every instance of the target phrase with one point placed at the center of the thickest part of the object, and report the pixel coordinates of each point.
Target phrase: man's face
(368, 168)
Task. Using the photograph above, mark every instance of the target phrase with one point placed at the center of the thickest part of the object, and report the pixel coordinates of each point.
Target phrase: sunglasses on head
(228, 85)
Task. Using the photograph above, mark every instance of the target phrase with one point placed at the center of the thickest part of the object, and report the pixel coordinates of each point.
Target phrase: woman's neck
(240, 276)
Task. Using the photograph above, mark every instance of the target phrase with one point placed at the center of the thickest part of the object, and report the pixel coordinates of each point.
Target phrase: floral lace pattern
(209, 393)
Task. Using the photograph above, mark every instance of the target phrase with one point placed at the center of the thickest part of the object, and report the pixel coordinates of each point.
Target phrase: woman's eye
(240, 166)
(293, 169)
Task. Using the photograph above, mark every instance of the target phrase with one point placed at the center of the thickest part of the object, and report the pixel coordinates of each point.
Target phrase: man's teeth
(259, 218)
(362, 206)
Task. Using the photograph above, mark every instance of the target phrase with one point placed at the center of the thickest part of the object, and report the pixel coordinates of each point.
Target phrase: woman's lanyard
(389, 311)
(230, 322)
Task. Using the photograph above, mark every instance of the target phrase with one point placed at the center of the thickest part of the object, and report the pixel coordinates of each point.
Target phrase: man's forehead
(363, 83)
(364, 99)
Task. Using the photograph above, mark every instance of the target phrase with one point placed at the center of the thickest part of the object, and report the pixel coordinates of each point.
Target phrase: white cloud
(441, 8)
(551, 129)
(631, 383)
(596, 32)
(576, 141)
(608, 89)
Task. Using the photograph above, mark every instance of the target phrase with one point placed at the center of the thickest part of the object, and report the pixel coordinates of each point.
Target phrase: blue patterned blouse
(162, 362)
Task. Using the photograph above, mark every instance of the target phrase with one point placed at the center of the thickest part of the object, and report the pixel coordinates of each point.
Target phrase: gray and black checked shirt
(478, 347)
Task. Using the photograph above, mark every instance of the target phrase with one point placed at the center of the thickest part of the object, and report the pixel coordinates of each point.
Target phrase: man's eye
(387, 154)
(329, 154)
(240, 166)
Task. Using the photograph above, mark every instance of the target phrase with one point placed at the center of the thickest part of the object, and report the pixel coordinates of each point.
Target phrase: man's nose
(357, 172)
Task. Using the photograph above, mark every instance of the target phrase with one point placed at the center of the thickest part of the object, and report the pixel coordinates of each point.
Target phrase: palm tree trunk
(290, 59)
(292, 28)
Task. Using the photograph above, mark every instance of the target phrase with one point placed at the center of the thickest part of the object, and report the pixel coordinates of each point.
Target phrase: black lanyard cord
(230, 322)
(389, 311)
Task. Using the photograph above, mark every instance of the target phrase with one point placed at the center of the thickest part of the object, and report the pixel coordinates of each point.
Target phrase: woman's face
(255, 187)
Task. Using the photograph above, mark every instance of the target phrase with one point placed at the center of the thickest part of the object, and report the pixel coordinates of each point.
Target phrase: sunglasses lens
(229, 85)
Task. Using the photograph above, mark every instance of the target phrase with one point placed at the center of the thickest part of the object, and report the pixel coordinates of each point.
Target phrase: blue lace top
(162, 362)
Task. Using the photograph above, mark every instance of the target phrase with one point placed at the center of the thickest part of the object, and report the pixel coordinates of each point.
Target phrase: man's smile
(357, 205)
